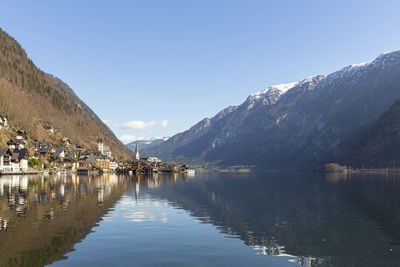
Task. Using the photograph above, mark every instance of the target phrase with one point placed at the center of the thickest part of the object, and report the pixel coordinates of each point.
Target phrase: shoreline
(336, 168)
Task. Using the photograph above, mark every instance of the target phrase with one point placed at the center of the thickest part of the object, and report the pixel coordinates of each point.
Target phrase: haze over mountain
(295, 125)
(32, 97)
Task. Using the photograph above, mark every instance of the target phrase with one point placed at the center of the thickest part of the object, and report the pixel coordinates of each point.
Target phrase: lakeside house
(22, 156)
(113, 165)
(87, 160)
(71, 163)
(18, 164)
(5, 159)
(103, 163)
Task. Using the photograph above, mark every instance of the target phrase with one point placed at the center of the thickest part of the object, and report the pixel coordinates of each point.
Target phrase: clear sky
(154, 68)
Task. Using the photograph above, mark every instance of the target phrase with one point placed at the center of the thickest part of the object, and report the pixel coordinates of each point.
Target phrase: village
(23, 156)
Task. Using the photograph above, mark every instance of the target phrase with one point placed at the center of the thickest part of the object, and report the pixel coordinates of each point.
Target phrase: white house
(60, 153)
(113, 165)
(21, 135)
(23, 165)
(5, 159)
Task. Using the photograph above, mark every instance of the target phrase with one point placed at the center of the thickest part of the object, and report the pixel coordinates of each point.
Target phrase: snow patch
(389, 52)
(146, 140)
(279, 88)
(280, 118)
(360, 64)
(349, 70)
(309, 79)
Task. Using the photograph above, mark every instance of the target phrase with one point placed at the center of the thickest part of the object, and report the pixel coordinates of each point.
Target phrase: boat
(191, 172)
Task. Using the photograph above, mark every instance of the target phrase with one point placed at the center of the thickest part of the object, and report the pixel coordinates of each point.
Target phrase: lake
(260, 219)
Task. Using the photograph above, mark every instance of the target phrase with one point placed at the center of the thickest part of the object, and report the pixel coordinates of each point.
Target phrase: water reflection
(307, 220)
(318, 221)
(43, 217)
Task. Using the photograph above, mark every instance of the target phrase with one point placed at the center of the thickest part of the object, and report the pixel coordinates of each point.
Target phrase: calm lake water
(266, 219)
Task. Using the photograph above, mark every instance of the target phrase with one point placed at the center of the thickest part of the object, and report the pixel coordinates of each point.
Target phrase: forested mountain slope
(32, 97)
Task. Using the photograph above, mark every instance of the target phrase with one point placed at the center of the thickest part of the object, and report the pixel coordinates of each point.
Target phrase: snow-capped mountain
(270, 95)
(309, 122)
(146, 142)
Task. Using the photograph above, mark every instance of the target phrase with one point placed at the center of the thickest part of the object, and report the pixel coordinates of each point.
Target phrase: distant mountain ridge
(32, 97)
(146, 143)
(301, 124)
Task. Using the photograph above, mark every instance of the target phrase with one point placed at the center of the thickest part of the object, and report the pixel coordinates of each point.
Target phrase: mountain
(293, 125)
(32, 98)
(379, 146)
(146, 143)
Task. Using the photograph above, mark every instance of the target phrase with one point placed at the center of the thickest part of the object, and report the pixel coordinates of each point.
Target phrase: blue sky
(154, 68)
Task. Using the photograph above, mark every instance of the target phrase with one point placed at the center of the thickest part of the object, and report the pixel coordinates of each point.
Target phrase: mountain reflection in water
(332, 220)
(308, 220)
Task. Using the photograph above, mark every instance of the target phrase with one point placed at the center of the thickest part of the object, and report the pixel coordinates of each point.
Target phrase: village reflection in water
(314, 220)
(39, 214)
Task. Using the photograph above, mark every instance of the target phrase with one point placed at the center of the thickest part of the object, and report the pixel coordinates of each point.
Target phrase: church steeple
(137, 152)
